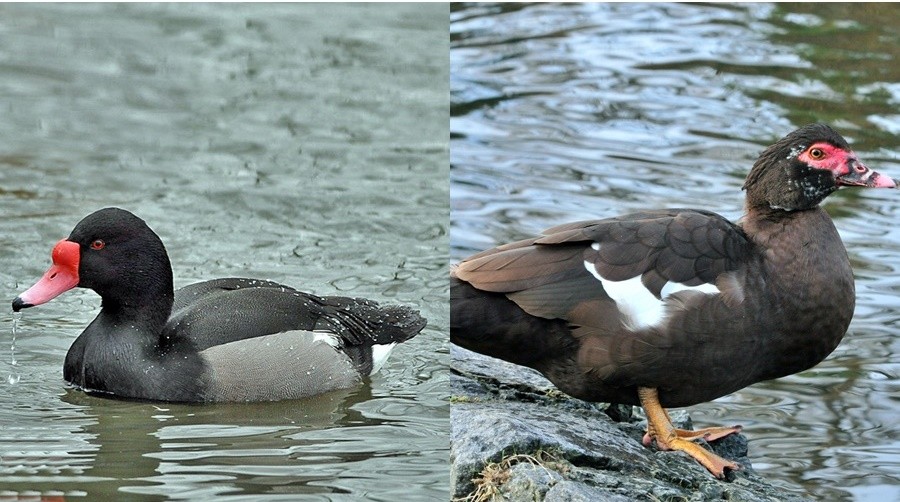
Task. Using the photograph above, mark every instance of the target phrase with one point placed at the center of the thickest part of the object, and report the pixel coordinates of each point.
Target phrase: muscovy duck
(675, 307)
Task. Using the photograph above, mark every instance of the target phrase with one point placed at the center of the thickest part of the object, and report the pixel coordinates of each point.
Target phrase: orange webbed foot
(660, 428)
(707, 434)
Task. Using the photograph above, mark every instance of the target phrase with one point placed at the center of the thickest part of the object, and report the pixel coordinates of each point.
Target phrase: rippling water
(566, 112)
(305, 144)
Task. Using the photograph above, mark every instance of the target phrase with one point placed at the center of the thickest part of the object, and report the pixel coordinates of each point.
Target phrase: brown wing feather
(546, 276)
(686, 246)
(520, 268)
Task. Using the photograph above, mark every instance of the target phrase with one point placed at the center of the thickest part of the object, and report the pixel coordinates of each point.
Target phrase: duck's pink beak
(862, 176)
(59, 278)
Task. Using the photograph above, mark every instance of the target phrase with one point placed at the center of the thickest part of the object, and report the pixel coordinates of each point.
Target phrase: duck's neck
(146, 308)
(797, 230)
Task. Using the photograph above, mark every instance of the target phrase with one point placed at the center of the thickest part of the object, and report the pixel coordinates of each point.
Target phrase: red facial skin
(845, 166)
(59, 278)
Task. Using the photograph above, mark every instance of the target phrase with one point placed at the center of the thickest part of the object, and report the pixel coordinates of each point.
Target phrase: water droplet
(13, 378)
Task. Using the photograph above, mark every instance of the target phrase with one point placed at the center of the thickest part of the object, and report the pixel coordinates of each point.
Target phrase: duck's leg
(659, 427)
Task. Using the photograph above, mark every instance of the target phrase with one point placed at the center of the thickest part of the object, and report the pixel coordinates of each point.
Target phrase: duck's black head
(804, 167)
(114, 253)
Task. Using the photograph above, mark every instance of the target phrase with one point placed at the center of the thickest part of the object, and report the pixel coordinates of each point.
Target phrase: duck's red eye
(816, 154)
(98, 244)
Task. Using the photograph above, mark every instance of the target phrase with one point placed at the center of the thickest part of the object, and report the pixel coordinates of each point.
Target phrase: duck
(222, 340)
(670, 308)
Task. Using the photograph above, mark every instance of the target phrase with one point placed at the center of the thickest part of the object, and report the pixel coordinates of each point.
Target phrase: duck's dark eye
(98, 244)
(817, 154)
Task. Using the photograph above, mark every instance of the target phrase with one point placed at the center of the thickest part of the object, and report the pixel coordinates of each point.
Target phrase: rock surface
(525, 440)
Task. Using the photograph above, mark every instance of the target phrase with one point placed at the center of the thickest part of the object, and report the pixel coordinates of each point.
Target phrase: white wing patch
(674, 287)
(639, 306)
(635, 302)
(380, 354)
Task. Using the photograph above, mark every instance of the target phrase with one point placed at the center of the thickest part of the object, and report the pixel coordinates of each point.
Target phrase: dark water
(567, 112)
(305, 144)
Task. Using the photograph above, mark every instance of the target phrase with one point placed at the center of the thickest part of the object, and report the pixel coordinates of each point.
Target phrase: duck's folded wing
(567, 272)
(228, 310)
(189, 295)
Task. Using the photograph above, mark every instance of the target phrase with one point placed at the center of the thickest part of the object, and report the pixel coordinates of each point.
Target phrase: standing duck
(675, 307)
(220, 340)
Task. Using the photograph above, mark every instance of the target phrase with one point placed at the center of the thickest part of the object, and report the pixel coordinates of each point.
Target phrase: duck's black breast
(115, 359)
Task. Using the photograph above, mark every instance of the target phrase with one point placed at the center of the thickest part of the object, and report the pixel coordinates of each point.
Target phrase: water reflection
(203, 451)
(241, 133)
(566, 112)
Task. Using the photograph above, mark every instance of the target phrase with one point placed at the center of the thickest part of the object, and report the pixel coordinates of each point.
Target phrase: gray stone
(569, 491)
(500, 410)
(530, 482)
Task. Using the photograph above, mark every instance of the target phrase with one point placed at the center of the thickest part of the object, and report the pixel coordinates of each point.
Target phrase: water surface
(569, 112)
(304, 144)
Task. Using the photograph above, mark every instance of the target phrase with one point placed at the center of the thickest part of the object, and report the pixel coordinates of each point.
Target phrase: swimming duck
(230, 339)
